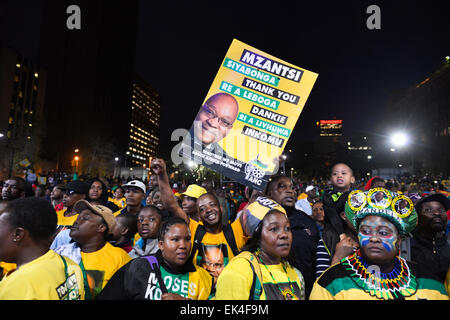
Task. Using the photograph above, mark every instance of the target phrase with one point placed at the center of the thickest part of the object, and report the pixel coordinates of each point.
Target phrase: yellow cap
(194, 191)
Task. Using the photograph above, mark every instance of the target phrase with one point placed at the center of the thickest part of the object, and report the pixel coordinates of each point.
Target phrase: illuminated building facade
(22, 94)
(330, 128)
(144, 125)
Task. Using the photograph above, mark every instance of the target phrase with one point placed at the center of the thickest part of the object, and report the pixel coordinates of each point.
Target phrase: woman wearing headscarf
(261, 271)
(376, 271)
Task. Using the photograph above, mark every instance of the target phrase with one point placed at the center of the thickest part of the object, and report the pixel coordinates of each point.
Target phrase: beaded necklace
(288, 294)
(397, 284)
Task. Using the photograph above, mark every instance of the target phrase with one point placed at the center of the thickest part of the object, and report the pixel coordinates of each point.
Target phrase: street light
(399, 139)
(76, 158)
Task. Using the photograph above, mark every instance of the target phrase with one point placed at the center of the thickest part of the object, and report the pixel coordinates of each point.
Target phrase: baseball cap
(135, 183)
(309, 188)
(194, 191)
(102, 211)
(76, 186)
(256, 211)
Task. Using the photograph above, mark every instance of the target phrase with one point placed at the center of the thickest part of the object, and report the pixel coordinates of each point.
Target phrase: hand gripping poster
(248, 115)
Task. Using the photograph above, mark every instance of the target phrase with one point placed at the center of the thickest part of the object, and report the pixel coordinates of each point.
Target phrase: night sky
(181, 46)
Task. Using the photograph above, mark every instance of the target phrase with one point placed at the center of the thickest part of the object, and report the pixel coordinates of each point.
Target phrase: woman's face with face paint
(378, 240)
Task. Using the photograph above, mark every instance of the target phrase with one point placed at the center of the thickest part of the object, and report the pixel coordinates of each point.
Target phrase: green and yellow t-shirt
(280, 282)
(138, 281)
(215, 246)
(193, 285)
(346, 280)
(101, 265)
(121, 203)
(49, 277)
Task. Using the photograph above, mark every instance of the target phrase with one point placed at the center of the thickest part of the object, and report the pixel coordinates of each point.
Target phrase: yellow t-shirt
(121, 203)
(216, 242)
(5, 268)
(302, 196)
(102, 264)
(235, 281)
(44, 279)
(63, 221)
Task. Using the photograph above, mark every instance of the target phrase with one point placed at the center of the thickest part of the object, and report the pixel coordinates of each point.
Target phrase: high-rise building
(422, 112)
(144, 124)
(22, 94)
(90, 76)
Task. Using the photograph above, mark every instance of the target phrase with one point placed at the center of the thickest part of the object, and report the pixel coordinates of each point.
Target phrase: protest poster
(248, 115)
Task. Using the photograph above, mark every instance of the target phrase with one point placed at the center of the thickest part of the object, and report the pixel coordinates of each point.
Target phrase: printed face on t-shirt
(213, 260)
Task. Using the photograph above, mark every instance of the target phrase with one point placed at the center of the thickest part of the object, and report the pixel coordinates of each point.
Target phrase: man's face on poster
(213, 260)
(215, 118)
(379, 196)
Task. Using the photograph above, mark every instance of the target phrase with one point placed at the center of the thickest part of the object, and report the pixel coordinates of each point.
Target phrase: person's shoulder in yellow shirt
(27, 227)
(100, 265)
(236, 280)
(49, 277)
(203, 282)
(64, 221)
(219, 238)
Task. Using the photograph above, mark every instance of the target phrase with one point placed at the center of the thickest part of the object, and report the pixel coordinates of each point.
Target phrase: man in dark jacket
(429, 246)
(305, 234)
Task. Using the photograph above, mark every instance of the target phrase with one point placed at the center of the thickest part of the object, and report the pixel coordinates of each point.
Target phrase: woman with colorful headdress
(376, 270)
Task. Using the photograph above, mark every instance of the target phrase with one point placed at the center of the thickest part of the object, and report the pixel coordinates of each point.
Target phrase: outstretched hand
(158, 166)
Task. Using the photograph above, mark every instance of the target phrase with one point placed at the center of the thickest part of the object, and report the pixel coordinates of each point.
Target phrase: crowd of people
(336, 238)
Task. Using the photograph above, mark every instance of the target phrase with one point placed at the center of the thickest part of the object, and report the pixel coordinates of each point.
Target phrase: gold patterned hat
(393, 206)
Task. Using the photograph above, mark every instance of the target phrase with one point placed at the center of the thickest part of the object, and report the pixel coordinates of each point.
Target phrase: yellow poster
(248, 115)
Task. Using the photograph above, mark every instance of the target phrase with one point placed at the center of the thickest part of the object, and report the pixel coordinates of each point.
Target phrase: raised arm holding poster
(248, 115)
